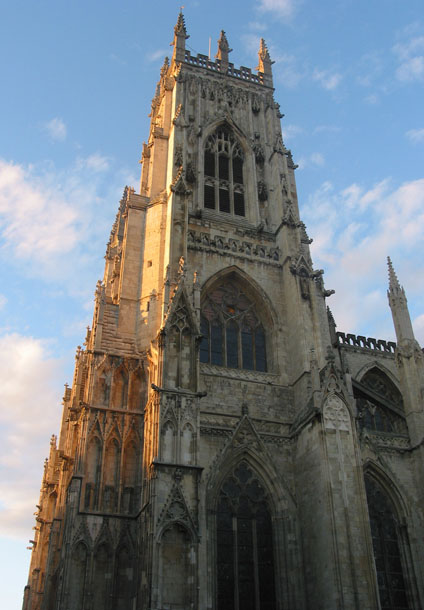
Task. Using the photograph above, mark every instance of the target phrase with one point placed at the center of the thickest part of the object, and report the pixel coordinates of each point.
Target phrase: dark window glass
(260, 353)
(245, 576)
(209, 196)
(239, 204)
(238, 170)
(216, 343)
(204, 343)
(232, 345)
(223, 167)
(224, 200)
(247, 348)
(209, 163)
(390, 578)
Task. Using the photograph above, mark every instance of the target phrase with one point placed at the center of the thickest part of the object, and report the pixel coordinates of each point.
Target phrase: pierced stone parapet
(365, 343)
(242, 73)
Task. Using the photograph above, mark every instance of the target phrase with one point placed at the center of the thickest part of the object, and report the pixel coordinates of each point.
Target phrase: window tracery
(232, 334)
(380, 410)
(386, 547)
(223, 173)
(245, 576)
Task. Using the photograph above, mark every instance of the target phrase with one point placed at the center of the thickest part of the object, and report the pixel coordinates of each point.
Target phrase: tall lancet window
(245, 556)
(223, 172)
(385, 531)
(232, 334)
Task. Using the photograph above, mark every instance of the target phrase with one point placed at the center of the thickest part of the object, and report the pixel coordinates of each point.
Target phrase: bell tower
(209, 454)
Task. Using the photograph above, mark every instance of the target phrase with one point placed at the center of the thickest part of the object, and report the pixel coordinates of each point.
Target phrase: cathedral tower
(222, 446)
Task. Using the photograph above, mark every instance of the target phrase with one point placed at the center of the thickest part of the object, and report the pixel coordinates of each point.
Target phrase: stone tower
(222, 447)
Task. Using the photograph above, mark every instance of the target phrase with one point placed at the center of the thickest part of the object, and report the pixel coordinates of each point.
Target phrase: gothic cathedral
(222, 446)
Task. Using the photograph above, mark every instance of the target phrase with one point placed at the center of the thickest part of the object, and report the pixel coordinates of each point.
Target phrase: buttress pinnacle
(180, 27)
(394, 286)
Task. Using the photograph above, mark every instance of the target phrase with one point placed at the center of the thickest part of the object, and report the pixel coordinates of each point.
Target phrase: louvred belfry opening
(223, 173)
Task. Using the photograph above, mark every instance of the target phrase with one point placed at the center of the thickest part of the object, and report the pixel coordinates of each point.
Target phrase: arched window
(176, 589)
(380, 404)
(77, 576)
(223, 173)
(245, 558)
(102, 561)
(386, 547)
(232, 334)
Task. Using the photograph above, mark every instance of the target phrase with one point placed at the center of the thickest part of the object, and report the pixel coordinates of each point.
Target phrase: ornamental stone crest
(336, 415)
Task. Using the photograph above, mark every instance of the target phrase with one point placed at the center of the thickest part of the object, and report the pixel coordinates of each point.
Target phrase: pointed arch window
(245, 556)
(232, 333)
(380, 404)
(223, 173)
(387, 548)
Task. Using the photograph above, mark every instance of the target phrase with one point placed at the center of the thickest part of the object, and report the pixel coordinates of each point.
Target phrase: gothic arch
(130, 474)
(111, 473)
(237, 335)
(373, 470)
(377, 365)
(281, 498)
(177, 577)
(188, 444)
(120, 386)
(388, 512)
(379, 402)
(93, 466)
(245, 539)
(77, 576)
(244, 206)
(101, 582)
(232, 126)
(168, 441)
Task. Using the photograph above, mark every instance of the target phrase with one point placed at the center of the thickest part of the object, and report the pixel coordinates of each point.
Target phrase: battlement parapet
(242, 73)
(366, 342)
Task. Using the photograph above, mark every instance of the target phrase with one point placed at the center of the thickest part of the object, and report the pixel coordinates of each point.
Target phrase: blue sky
(77, 82)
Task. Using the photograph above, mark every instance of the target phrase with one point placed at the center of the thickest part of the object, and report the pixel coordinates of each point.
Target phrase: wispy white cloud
(372, 99)
(281, 8)
(157, 54)
(29, 413)
(3, 301)
(95, 162)
(56, 129)
(410, 55)
(415, 135)
(292, 131)
(327, 129)
(354, 230)
(317, 159)
(47, 225)
(287, 70)
(327, 79)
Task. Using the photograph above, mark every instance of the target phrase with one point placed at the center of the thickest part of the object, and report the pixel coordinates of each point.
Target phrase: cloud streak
(29, 413)
(356, 228)
(56, 129)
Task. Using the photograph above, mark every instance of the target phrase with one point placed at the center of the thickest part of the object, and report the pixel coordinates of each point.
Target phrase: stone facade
(222, 446)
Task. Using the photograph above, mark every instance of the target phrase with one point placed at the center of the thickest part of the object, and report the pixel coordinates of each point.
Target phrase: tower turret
(265, 63)
(180, 36)
(399, 306)
(223, 51)
(409, 358)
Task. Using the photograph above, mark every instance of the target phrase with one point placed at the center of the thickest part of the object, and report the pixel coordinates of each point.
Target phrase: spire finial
(265, 63)
(180, 36)
(180, 27)
(393, 280)
(223, 50)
